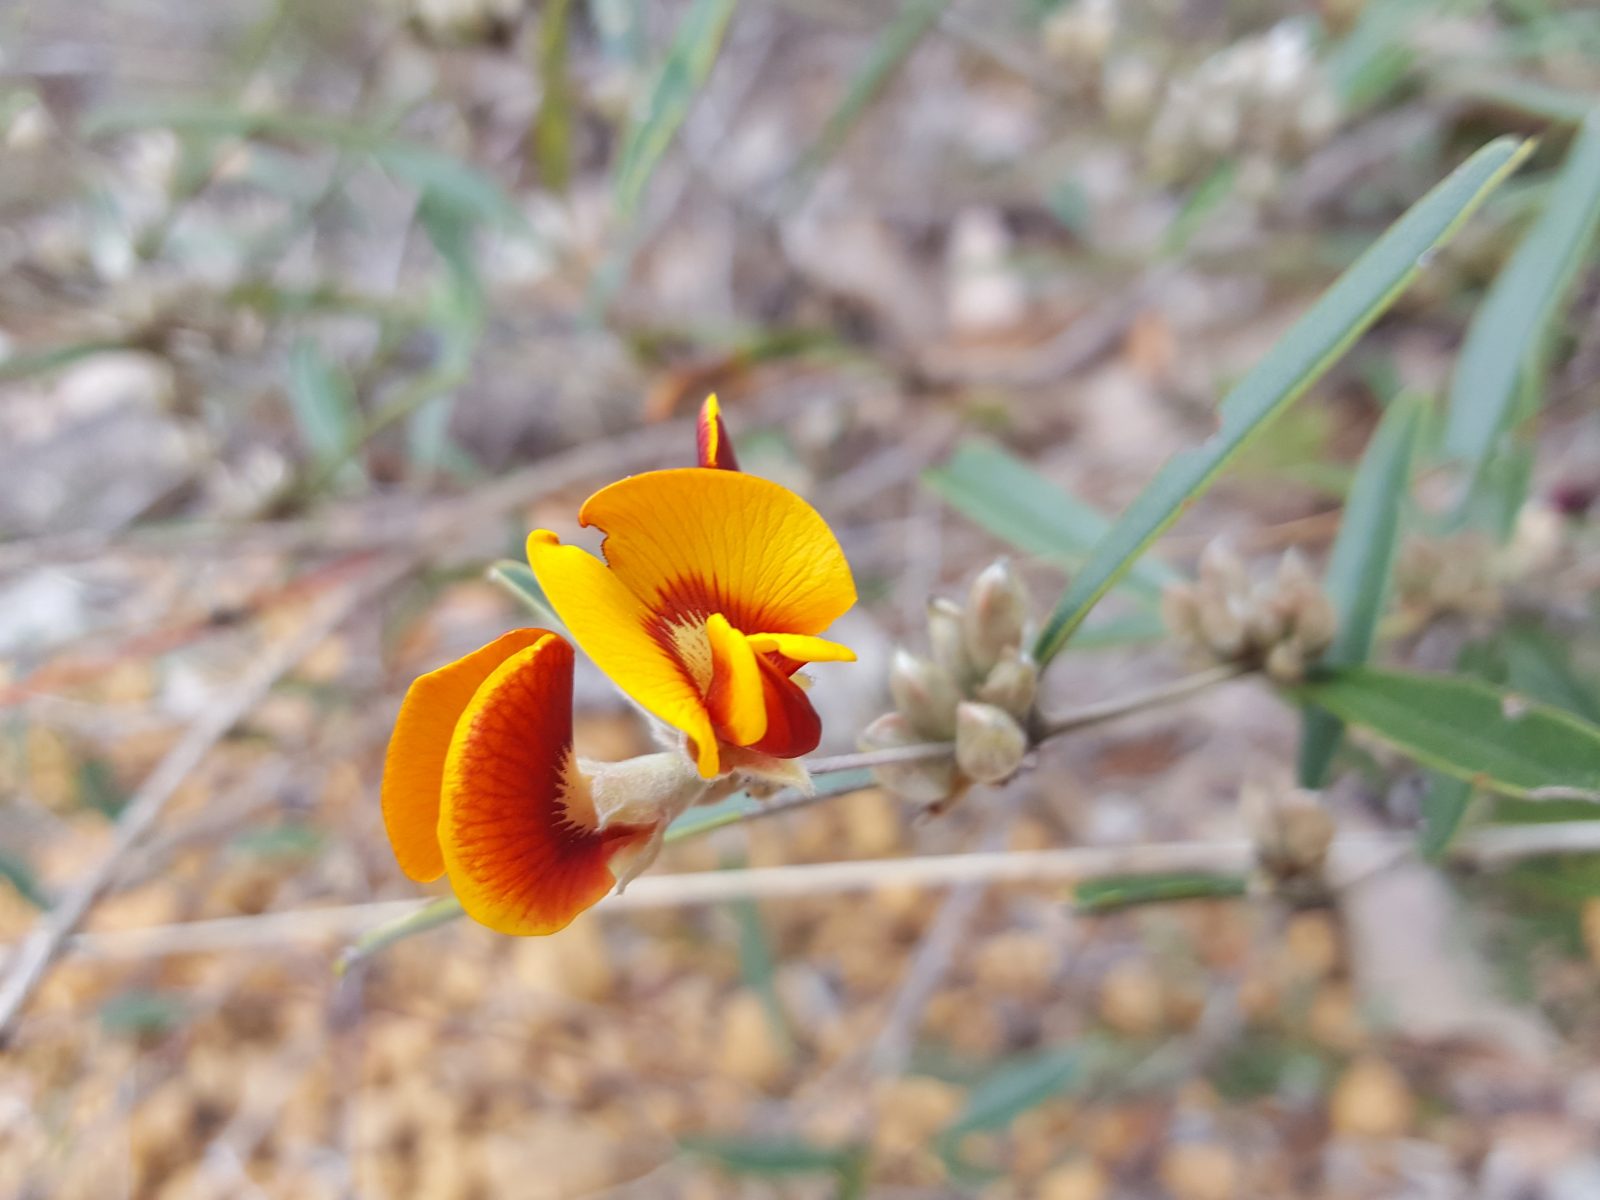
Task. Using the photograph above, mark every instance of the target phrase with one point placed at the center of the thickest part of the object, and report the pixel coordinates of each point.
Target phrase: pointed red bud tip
(716, 447)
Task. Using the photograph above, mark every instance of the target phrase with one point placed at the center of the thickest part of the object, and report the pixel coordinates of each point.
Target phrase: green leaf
(1490, 736)
(1360, 566)
(324, 404)
(552, 128)
(893, 46)
(657, 118)
(422, 166)
(1011, 1089)
(26, 363)
(141, 1012)
(519, 579)
(1524, 299)
(1128, 891)
(778, 1156)
(1298, 360)
(1540, 664)
(1444, 805)
(14, 869)
(1011, 500)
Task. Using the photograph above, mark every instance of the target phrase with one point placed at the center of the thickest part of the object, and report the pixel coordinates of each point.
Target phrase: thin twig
(146, 805)
(1352, 852)
(1121, 706)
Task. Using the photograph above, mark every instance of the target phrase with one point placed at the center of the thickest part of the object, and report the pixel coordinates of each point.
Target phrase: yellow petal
(801, 647)
(517, 828)
(736, 697)
(697, 540)
(614, 628)
(413, 770)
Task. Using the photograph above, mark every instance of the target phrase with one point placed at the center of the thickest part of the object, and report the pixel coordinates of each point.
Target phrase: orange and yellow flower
(481, 784)
(712, 593)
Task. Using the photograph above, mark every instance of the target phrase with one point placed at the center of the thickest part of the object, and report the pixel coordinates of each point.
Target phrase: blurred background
(309, 310)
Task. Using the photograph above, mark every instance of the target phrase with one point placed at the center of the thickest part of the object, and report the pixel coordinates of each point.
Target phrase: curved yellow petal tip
(801, 647)
(711, 436)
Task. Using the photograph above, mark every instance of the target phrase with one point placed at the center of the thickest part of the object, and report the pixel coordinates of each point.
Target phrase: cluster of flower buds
(1262, 97)
(1292, 834)
(1280, 625)
(976, 689)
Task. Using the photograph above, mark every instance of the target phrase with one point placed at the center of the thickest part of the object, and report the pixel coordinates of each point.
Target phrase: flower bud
(925, 693)
(1315, 624)
(928, 782)
(1292, 833)
(1012, 685)
(1222, 629)
(948, 640)
(1221, 570)
(997, 610)
(1180, 611)
(1286, 663)
(989, 744)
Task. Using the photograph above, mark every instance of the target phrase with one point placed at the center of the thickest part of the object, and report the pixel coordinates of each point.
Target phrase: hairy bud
(989, 744)
(928, 782)
(1012, 685)
(947, 639)
(925, 693)
(997, 611)
(1293, 833)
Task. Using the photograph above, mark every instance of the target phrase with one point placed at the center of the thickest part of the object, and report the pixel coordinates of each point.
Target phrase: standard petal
(793, 727)
(736, 697)
(700, 541)
(801, 648)
(620, 635)
(516, 826)
(716, 448)
(413, 770)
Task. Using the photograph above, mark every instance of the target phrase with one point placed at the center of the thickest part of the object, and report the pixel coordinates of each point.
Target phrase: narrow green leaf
(1540, 664)
(552, 128)
(894, 45)
(1011, 1089)
(657, 118)
(1527, 295)
(14, 869)
(775, 1156)
(1011, 500)
(41, 362)
(422, 166)
(1491, 737)
(1298, 360)
(323, 402)
(1444, 805)
(1127, 891)
(1360, 566)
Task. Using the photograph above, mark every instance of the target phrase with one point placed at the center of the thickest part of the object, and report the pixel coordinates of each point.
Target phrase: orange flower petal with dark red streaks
(716, 447)
(793, 727)
(413, 770)
(516, 823)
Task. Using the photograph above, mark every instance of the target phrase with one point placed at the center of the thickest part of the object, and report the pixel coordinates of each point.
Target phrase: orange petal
(736, 697)
(615, 629)
(699, 541)
(716, 448)
(793, 727)
(413, 771)
(516, 825)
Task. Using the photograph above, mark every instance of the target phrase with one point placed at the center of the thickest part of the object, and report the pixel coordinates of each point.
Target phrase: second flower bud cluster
(976, 689)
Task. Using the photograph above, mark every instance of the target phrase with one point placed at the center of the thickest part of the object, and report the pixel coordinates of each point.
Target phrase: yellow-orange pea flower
(712, 592)
(480, 783)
